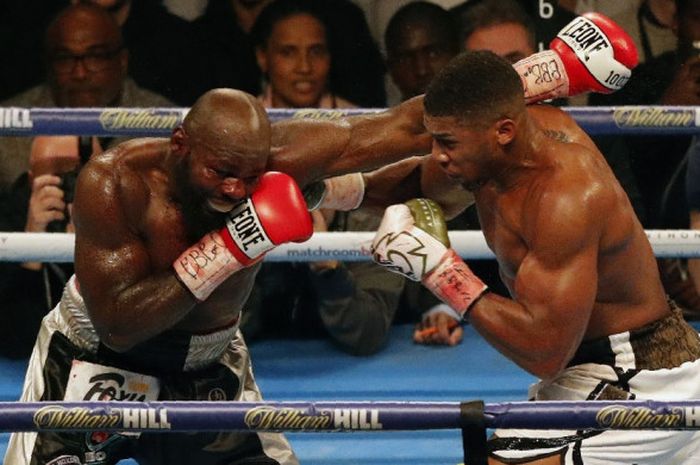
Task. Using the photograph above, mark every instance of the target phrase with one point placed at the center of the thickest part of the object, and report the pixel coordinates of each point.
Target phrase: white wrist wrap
(454, 283)
(543, 76)
(344, 193)
(205, 265)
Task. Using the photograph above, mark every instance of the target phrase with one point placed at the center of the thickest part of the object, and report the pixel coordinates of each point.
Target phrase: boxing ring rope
(345, 246)
(471, 417)
(190, 416)
(109, 122)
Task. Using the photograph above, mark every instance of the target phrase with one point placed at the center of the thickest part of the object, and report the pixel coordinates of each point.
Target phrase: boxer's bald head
(230, 123)
(220, 151)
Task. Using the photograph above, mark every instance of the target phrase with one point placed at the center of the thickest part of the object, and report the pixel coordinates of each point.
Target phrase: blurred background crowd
(322, 54)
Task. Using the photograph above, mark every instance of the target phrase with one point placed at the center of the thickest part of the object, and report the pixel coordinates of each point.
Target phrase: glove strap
(543, 76)
(205, 265)
(454, 283)
(247, 239)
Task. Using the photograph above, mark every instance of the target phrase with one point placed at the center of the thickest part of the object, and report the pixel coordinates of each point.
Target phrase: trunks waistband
(169, 351)
(664, 343)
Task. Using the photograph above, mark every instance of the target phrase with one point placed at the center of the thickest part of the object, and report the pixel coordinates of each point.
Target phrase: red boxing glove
(591, 53)
(598, 55)
(274, 214)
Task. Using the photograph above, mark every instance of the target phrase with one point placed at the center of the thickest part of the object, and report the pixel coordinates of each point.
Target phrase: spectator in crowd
(502, 27)
(86, 66)
(150, 34)
(293, 52)
(226, 55)
(39, 201)
(358, 71)
(354, 303)
(672, 78)
(420, 39)
(505, 28)
(22, 25)
(648, 22)
(549, 18)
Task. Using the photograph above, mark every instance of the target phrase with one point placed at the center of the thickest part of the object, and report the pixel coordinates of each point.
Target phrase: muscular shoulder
(559, 125)
(110, 185)
(574, 199)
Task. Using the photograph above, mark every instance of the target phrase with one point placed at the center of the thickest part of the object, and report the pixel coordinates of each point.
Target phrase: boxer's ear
(178, 141)
(505, 131)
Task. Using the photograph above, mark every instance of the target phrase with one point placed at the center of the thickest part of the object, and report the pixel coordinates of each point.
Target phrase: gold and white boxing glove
(412, 240)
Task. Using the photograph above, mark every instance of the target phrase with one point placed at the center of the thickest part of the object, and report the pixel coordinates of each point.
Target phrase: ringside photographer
(40, 200)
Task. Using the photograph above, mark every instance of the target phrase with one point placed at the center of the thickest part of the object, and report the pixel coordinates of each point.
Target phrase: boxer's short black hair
(475, 86)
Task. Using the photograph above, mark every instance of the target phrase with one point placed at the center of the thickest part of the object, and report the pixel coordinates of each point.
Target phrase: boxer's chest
(503, 230)
(166, 240)
(164, 233)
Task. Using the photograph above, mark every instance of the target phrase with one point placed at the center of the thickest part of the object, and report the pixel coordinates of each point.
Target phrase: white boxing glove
(412, 240)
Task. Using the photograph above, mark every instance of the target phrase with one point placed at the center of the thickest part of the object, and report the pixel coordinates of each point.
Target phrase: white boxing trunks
(660, 361)
(69, 363)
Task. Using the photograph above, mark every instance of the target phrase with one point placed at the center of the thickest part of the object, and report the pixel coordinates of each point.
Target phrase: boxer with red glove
(274, 214)
(412, 240)
(591, 53)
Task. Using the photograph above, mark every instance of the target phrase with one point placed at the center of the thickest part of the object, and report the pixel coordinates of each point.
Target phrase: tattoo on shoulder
(559, 136)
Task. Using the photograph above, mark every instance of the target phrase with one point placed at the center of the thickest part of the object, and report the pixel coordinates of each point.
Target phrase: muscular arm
(555, 287)
(127, 301)
(309, 149)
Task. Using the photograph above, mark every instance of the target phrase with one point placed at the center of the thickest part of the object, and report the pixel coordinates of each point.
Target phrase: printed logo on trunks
(96, 442)
(65, 460)
(246, 230)
(273, 418)
(216, 394)
(90, 381)
(15, 118)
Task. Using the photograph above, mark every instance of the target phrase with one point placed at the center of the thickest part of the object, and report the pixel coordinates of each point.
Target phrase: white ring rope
(344, 246)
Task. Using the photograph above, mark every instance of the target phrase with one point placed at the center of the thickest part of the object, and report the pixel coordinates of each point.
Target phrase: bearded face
(198, 217)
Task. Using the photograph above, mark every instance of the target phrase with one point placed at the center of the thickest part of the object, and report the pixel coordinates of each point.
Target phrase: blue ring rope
(110, 122)
(181, 416)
